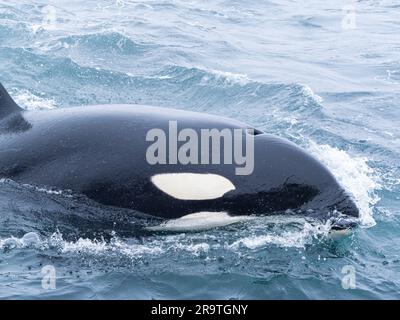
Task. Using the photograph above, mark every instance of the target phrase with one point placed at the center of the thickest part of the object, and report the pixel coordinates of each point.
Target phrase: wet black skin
(100, 152)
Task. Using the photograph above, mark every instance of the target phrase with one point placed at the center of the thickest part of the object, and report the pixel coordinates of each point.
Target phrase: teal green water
(326, 76)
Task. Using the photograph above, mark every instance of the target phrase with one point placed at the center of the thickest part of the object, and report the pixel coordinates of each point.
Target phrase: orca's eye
(254, 132)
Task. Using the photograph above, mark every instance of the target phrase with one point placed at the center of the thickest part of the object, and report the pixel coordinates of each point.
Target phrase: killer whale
(100, 152)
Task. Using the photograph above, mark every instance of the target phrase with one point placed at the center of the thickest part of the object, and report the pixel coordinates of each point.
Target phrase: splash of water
(355, 175)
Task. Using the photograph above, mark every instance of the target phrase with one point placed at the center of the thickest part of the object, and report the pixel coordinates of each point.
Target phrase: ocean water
(325, 75)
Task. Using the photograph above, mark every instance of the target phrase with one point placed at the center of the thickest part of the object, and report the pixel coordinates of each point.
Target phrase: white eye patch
(193, 186)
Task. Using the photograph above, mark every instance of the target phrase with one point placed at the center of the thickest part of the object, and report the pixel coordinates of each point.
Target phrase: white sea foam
(29, 240)
(195, 249)
(229, 78)
(101, 247)
(6, 180)
(29, 101)
(355, 176)
(44, 190)
(308, 92)
(296, 239)
(196, 244)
